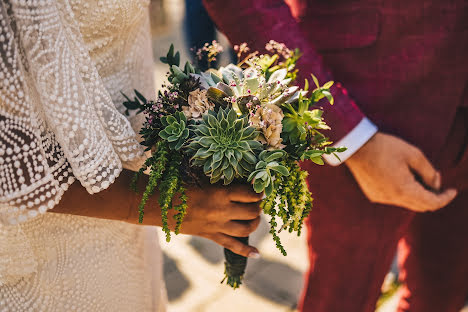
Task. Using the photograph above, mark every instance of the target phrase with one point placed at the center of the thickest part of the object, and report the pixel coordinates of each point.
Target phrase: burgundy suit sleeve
(259, 21)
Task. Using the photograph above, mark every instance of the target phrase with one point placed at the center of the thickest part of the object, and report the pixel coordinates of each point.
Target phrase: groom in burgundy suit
(401, 108)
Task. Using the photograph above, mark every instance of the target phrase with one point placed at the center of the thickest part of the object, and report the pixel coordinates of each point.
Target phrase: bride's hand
(216, 212)
(222, 213)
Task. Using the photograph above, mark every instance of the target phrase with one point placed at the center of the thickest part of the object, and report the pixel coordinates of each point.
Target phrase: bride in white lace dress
(63, 66)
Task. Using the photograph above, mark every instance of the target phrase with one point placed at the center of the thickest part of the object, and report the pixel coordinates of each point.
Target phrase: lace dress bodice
(63, 67)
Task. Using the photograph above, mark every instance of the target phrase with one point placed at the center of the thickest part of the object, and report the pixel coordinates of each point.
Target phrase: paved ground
(194, 266)
(194, 269)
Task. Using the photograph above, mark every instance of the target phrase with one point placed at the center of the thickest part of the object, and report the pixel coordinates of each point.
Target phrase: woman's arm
(118, 202)
(215, 212)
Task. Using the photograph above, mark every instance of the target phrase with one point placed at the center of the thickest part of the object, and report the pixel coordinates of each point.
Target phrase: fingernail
(437, 181)
(453, 192)
(254, 255)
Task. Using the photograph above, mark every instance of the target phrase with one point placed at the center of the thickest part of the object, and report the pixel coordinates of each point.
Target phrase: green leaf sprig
(177, 75)
(268, 167)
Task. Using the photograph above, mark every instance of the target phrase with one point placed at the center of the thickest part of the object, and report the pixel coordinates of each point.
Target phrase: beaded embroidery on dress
(63, 65)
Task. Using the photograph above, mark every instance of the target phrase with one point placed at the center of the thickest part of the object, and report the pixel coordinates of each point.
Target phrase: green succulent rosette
(267, 169)
(224, 146)
(175, 131)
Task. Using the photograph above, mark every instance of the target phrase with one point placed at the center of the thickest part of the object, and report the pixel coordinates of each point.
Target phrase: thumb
(424, 170)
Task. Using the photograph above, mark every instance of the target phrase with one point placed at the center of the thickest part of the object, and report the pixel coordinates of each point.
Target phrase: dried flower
(280, 48)
(268, 119)
(210, 51)
(198, 104)
(240, 49)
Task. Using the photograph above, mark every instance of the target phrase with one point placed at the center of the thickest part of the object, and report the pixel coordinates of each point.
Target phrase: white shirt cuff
(353, 141)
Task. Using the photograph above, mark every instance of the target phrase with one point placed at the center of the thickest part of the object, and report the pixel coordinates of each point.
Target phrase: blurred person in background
(198, 28)
(401, 109)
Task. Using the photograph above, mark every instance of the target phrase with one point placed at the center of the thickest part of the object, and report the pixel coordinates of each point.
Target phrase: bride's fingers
(243, 211)
(243, 193)
(240, 228)
(234, 245)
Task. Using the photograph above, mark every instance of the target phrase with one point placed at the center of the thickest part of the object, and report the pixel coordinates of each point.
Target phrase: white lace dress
(63, 64)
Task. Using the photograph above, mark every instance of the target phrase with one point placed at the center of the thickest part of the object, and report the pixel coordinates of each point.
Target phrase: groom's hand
(222, 213)
(391, 171)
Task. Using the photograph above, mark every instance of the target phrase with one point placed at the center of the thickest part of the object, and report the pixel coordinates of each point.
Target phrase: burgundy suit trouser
(352, 242)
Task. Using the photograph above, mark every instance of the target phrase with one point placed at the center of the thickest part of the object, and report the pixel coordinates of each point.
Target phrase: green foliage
(157, 163)
(302, 126)
(180, 208)
(272, 207)
(316, 155)
(177, 75)
(290, 201)
(289, 64)
(171, 58)
(298, 124)
(313, 155)
(224, 146)
(164, 167)
(268, 167)
(175, 131)
(322, 91)
(170, 185)
(266, 61)
(301, 200)
(245, 88)
(138, 103)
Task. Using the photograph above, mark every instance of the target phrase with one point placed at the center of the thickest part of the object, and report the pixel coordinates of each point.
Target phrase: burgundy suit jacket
(401, 63)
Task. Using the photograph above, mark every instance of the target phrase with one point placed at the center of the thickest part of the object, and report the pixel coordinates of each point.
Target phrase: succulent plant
(300, 123)
(224, 145)
(268, 167)
(248, 86)
(177, 75)
(198, 104)
(175, 132)
(268, 120)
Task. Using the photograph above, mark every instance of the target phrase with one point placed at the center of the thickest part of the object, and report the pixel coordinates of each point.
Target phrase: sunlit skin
(386, 168)
(215, 212)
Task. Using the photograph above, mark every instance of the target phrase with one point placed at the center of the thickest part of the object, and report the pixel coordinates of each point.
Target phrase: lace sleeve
(57, 121)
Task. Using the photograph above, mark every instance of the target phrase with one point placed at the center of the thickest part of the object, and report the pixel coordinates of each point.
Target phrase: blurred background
(194, 266)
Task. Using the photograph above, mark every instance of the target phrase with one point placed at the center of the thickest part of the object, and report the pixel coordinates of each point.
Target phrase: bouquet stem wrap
(234, 266)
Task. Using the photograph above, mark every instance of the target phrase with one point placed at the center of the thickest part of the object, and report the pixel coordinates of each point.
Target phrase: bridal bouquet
(244, 122)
